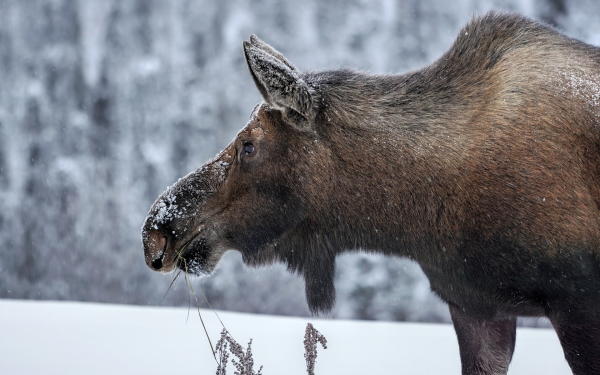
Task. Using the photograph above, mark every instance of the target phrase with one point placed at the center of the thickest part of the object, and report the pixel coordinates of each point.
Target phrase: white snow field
(84, 338)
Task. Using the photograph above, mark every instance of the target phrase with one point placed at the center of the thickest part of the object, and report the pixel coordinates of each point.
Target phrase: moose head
(267, 194)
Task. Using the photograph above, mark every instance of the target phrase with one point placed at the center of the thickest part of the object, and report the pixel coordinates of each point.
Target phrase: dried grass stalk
(243, 361)
(311, 338)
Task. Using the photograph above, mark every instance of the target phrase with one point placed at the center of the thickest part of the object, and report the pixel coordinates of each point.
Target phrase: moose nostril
(157, 263)
(156, 247)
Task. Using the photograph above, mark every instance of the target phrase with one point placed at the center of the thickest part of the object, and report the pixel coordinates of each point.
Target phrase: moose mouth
(194, 256)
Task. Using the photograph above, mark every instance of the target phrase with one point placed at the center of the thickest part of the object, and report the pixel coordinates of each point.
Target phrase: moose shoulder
(483, 167)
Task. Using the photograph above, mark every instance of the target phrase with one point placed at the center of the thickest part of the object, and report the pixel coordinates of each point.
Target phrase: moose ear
(278, 80)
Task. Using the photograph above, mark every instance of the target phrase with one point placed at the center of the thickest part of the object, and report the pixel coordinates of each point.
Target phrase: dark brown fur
(483, 167)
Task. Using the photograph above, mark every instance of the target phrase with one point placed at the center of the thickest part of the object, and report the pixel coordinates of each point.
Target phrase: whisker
(187, 318)
(212, 309)
(202, 320)
(191, 293)
(170, 286)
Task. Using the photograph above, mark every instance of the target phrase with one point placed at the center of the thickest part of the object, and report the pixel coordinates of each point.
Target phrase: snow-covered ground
(83, 338)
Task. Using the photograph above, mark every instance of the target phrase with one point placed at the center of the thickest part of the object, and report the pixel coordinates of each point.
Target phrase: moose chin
(483, 167)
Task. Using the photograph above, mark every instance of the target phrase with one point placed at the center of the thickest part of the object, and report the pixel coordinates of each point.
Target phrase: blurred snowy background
(105, 103)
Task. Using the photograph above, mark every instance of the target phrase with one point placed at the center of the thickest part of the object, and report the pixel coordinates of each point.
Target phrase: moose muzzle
(155, 250)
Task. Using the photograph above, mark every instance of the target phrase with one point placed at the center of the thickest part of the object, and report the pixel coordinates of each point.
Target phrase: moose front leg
(486, 346)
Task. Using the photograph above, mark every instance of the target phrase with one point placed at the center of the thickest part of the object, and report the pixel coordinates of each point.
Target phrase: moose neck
(402, 149)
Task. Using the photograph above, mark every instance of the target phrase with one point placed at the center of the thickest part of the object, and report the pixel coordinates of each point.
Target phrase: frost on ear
(256, 42)
(278, 81)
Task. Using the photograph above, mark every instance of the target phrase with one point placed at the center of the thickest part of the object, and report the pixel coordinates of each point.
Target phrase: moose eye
(248, 148)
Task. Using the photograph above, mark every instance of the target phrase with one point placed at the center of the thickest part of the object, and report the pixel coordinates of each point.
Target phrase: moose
(483, 167)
